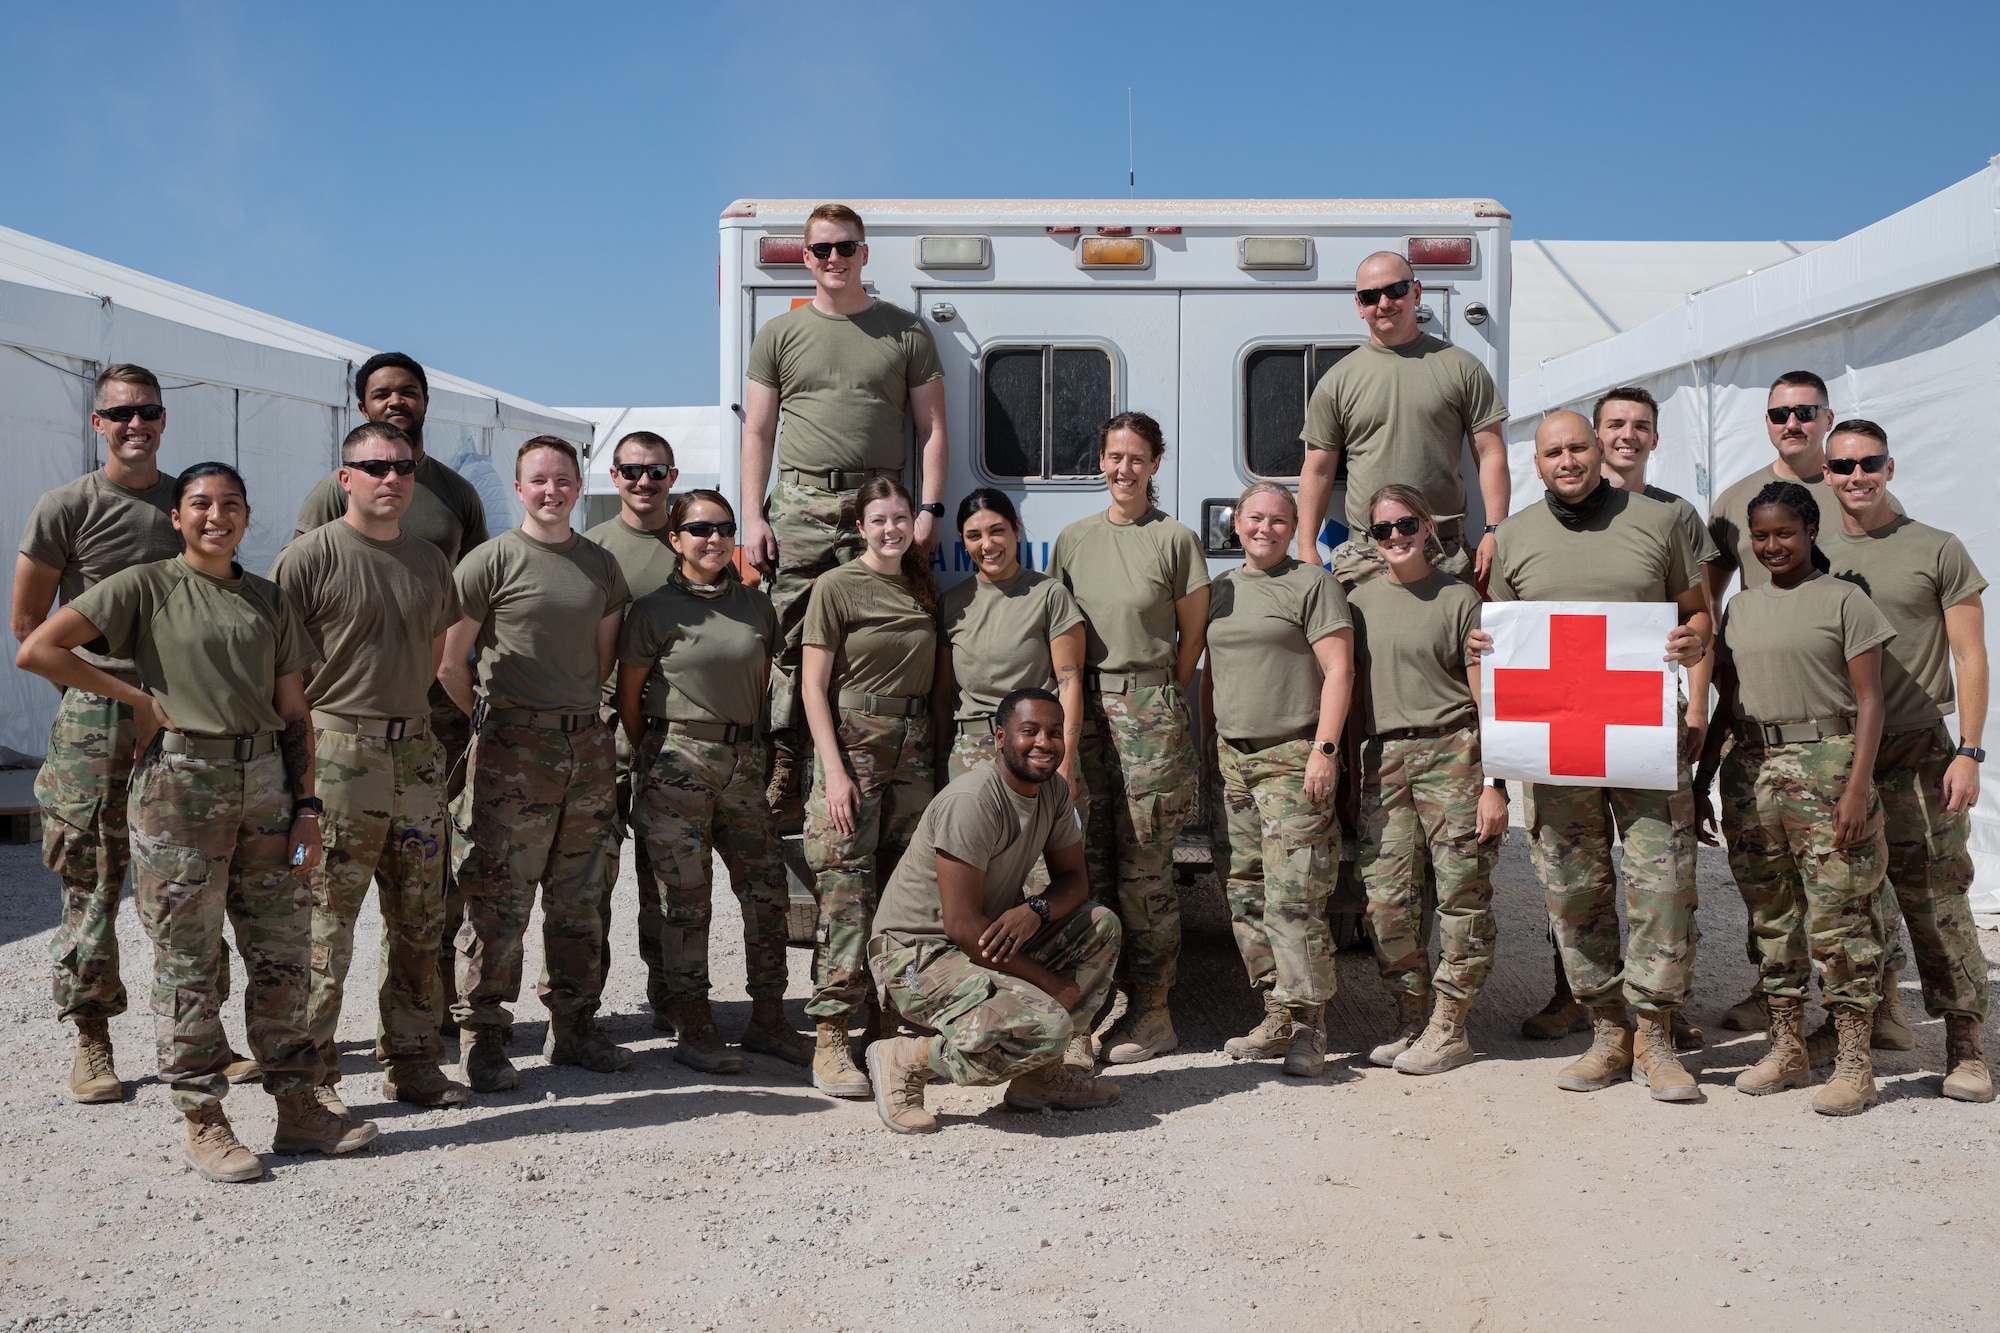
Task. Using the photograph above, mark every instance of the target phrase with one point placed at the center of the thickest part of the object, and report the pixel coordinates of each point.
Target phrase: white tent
(271, 397)
(1902, 319)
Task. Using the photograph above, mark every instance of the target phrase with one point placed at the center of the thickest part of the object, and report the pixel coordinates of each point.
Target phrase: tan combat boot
(1443, 1045)
(1269, 1039)
(214, 1150)
(1305, 1052)
(899, 1068)
(1851, 1090)
(483, 1057)
(1687, 1037)
(771, 1033)
(1146, 1030)
(575, 1039)
(1892, 1031)
(1784, 1065)
(1654, 1062)
(327, 1095)
(306, 1126)
(1967, 1079)
(422, 1084)
(242, 1069)
(700, 1046)
(1412, 1012)
(92, 1077)
(833, 1071)
(1749, 1015)
(1058, 1086)
(1609, 1059)
(1561, 1016)
(1081, 1053)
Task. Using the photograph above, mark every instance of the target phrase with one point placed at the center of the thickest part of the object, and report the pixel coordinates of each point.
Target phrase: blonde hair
(1413, 500)
(1270, 488)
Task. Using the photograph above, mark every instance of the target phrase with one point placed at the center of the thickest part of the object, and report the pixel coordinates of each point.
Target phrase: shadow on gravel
(32, 902)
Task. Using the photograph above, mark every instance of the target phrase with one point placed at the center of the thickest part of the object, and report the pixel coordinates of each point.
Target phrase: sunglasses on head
(1405, 526)
(824, 250)
(121, 415)
(1844, 467)
(1395, 291)
(702, 527)
(379, 468)
(1803, 411)
(634, 471)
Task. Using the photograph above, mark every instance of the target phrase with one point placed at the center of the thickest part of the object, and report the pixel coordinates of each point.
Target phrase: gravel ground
(1217, 1196)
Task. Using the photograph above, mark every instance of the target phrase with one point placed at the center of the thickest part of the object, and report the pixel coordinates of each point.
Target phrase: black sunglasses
(379, 468)
(1407, 525)
(1803, 411)
(1395, 291)
(1844, 467)
(824, 250)
(634, 471)
(702, 527)
(121, 415)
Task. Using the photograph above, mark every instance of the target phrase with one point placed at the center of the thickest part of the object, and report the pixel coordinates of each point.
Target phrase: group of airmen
(990, 779)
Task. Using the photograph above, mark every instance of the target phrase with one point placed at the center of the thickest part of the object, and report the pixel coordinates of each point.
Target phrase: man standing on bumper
(541, 606)
(377, 601)
(1000, 977)
(845, 369)
(1592, 542)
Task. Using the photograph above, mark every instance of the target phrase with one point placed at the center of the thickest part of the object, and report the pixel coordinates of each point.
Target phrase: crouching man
(1001, 978)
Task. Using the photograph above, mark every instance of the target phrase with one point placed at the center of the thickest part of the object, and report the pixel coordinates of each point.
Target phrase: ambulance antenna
(1131, 173)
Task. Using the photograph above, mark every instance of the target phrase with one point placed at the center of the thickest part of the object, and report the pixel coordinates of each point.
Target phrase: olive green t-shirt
(882, 641)
(210, 650)
(1791, 647)
(538, 606)
(1706, 552)
(710, 653)
(985, 823)
(1631, 550)
(1000, 634)
(445, 509)
(1261, 631)
(1912, 573)
(1409, 652)
(1126, 578)
(90, 528)
(1402, 414)
(645, 557)
(374, 608)
(843, 383)
(1729, 521)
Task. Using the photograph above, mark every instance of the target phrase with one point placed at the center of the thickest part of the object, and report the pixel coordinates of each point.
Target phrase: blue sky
(527, 194)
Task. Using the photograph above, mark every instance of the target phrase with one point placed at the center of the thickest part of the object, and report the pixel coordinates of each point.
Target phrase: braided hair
(1790, 495)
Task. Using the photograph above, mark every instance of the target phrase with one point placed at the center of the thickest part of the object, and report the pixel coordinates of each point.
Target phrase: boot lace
(96, 1059)
(1851, 1062)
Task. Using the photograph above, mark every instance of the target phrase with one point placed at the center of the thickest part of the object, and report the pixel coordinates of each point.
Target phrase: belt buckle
(836, 479)
(244, 749)
(396, 729)
(732, 732)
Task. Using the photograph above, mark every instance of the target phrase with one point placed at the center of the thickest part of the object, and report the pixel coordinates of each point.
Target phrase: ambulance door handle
(944, 312)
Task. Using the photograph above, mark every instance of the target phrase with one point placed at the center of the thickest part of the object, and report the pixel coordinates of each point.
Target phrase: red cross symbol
(1577, 696)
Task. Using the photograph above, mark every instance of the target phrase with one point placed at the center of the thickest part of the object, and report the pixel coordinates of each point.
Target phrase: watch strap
(1973, 752)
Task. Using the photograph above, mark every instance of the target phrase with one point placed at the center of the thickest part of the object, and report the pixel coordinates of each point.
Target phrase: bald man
(1400, 407)
(1589, 541)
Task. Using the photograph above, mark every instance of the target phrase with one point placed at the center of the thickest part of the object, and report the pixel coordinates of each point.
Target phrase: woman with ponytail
(870, 653)
(1799, 668)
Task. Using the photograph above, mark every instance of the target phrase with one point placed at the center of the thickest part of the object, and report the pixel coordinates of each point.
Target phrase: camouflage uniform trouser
(657, 992)
(695, 798)
(968, 753)
(816, 531)
(993, 1026)
(1569, 841)
(1809, 902)
(536, 810)
(1356, 562)
(889, 759)
(1139, 770)
(1420, 806)
(452, 730)
(212, 838)
(384, 824)
(1279, 855)
(1931, 871)
(82, 789)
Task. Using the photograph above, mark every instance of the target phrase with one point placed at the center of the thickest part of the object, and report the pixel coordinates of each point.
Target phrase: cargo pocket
(1944, 833)
(68, 847)
(168, 862)
(952, 1014)
(1157, 817)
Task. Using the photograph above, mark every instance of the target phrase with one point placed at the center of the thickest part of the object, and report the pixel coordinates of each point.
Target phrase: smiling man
(1001, 977)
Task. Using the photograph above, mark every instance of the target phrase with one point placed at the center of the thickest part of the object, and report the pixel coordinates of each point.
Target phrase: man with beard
(999, 977)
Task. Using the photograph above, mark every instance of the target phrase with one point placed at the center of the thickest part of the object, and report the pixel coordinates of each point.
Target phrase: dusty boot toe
(771, 1033)
(242, 1069)
(304, 1125)
(1609, 1059)
(1146, 1030)
(215, 1152)
(899, 1068)
(1891, 1031)
(487, 1068)
(422, 1085)
(1748, 1015)
(1270, 1039)
(833, 1069)
(1058, 1087)
(93, 1078)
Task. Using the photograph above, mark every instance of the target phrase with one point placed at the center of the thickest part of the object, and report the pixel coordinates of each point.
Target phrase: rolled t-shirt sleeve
(50, 537)
(824, 615)
(967, 829)
(295, 647)
(617, 593)
(1067, 831)
(324, 503)
(763, 367)
(1957, 577)
(1479, 403)
(1064, 613)
(1862, 625)
(1325, 609)
(1463, 624)
(1324, 428)
(447, 612)
(116, 608)
(474, 581)
(924, 365)
(1683, 568)
(1190, 566)
(640, 641)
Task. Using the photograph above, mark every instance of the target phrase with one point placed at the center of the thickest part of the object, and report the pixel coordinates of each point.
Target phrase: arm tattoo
(295, 743)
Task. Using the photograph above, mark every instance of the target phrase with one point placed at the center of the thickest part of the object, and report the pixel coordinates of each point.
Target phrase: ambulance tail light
(1261, 252)
(1439, 251)
(1114, 252)
(781, 251)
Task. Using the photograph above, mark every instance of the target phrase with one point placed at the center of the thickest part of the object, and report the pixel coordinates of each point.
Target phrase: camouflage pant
(1419, 807)
(1279, 854)
(1569, 841)
(82, 789)
(452, 730)
(1139, 770)
(536, 810)
(816, 531)
(1808, 900)
(889, 759)
(212, 839)
(1932, 873)
(696, 798)
(968, 753)
(1356, 562)
(657, 992)
(384, 824)
(993, 1026)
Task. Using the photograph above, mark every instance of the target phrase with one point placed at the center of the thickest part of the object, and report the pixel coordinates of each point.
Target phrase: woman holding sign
(1799, 668)
(1423, 801)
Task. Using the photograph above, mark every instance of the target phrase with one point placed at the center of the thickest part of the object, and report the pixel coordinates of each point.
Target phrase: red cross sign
(1576, 693)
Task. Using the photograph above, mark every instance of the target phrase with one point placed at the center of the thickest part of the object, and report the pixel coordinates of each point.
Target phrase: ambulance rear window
(1041, 406)
(1277, 381)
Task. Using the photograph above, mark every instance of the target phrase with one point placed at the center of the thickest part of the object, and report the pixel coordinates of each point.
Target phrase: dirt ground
(1218, 1196)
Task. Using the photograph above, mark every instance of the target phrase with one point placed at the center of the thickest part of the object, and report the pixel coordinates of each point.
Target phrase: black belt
(1763, 735)
(1255, 746)
(884, 705)
(835, 478)
(1417, 733)
(726, 733)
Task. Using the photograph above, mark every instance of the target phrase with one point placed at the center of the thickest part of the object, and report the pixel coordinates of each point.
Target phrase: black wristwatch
(308, 805)
(1492, 528)
(1973, 752)
(1040, 907)
(1331, 749)
(935, 510)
